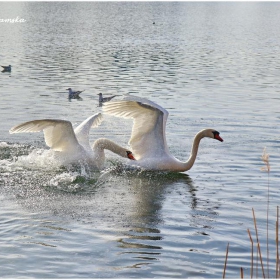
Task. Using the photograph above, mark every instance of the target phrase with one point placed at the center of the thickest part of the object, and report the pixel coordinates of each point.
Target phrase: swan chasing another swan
(72, 145)
(148, 140)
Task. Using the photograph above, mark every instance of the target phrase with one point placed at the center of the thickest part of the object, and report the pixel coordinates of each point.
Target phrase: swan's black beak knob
(217, 136)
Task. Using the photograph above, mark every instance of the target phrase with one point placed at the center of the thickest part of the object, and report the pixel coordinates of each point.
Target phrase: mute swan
(73, 145)
(74, 94)
(105, 99)
(148, 140)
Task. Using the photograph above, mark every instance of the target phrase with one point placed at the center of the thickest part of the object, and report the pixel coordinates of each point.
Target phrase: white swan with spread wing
(72, 145)
(148, 139)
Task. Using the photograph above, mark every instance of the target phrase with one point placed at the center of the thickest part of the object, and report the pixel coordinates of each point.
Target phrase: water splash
(24, 166)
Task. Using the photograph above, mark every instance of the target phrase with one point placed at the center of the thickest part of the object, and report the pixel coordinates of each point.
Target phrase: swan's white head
(212, 133)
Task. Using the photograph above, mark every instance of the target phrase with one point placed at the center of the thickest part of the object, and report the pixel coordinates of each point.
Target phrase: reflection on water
(130, 199)
(136, 203)
(148, 192)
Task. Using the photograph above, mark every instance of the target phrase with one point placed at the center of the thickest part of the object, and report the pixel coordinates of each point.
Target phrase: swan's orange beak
(130, 155)
(217, 136)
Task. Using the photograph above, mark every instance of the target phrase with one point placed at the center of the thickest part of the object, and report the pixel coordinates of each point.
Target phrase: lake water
(209, 64)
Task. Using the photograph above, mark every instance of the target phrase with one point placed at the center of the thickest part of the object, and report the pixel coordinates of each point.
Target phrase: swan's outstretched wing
(82, 130)
(59, 134)
(148, 131)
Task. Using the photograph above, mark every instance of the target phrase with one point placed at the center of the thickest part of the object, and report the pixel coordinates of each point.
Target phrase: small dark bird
(7, 68)
(105, 99)
(74, 94)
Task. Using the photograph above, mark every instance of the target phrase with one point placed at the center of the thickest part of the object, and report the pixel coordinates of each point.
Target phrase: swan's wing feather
(82, 130)
(148, 131)
(59, 134)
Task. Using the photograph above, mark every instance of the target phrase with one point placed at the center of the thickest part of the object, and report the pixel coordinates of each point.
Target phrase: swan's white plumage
(148, 140)
(82, 130)
(148, 132)
(73, 145)
(59, 134)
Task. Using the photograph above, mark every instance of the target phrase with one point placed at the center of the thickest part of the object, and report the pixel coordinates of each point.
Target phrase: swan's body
(74, 94)
(105, 99)
(72, 146)
(148, 139)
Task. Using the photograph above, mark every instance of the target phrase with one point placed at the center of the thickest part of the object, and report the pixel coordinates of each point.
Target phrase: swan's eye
(130, 155)
(217, 136)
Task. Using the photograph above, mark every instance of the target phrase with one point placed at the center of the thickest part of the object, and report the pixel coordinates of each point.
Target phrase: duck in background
(104, 99)
(7, 68)
(74, 94)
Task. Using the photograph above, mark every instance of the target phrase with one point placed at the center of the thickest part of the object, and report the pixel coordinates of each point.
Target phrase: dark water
(210, 65)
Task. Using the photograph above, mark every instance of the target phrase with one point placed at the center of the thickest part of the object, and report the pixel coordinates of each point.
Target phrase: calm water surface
(210, 65)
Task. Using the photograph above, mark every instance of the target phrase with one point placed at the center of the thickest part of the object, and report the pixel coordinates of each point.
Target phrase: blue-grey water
(212, 64)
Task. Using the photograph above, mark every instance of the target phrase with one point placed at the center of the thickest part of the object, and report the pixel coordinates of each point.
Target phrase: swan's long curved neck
(189, 163)
(102, 143)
